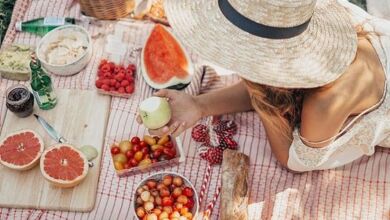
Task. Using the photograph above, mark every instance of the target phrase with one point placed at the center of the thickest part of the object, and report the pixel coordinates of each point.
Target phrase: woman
(314, 72)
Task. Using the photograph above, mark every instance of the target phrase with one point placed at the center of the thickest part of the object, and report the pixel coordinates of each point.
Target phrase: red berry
(190, 203)
(125, 83)
(187, 191)
(112, 82)
(106, 82)
(107, 75)
(135, 140)
(106, 87)
(131, 67)
(120, 76)
(213, 155)
(112, 89)
(117, 85)
(130, 79)
(121, 90)
(99, 83)
(130, 89)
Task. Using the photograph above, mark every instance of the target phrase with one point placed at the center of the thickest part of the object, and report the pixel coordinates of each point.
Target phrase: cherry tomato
(115, 150)
(138, 156)
(127, 166)
(170, 152)
(143, 144)
(157, 153)
(129, 154)
(145, 151)
(133, 162)
(136, 148)
(168, 144)
(135, 140)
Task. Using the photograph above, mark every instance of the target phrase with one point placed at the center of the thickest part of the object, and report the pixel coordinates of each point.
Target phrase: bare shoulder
(322, 118)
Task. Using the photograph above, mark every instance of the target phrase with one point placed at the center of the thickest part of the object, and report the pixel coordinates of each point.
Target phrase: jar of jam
(20, 100)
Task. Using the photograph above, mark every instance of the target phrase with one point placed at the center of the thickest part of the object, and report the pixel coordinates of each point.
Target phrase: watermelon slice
(165, 63)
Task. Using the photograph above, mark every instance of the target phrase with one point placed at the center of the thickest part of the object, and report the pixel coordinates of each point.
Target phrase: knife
(50, 130)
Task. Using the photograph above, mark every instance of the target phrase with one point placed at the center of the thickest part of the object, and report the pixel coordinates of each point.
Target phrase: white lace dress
(369, 130)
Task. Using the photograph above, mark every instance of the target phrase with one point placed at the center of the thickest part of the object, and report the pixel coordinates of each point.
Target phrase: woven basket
(107, 9)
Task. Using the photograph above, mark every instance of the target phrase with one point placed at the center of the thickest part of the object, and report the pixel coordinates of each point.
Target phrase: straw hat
(281, 43)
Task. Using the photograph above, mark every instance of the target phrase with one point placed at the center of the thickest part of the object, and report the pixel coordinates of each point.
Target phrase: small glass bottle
(41, 85)
(42, 26)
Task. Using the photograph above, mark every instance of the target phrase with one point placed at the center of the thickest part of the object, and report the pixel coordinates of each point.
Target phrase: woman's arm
(280, 144)
(224, 101)
(187, 109)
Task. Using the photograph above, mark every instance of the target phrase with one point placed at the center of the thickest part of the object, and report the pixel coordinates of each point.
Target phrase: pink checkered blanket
(360, 190)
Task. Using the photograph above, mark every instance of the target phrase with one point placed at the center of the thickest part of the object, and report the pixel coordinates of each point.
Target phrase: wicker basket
(107, 9)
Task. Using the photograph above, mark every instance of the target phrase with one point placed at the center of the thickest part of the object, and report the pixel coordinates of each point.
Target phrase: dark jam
(20, 101)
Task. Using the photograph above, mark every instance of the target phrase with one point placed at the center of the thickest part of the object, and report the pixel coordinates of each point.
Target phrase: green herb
(6, 8)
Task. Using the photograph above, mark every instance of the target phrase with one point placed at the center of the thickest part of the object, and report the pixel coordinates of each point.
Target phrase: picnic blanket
(360, 190)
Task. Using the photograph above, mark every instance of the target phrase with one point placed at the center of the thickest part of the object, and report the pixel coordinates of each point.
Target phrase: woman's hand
(185, 112)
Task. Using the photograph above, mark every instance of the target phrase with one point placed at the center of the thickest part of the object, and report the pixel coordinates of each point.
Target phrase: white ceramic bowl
(69, 68)
(159, 176)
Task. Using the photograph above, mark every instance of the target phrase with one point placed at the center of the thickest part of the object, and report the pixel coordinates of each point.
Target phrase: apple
(155, 112)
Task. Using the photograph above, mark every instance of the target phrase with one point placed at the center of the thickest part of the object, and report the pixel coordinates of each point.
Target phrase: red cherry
(167, 201)
(135, 140)
(190, 203)
(115, 150)
(129, 154)
(187, 191)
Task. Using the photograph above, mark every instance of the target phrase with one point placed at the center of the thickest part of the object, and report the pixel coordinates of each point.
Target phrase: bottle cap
(18, 26)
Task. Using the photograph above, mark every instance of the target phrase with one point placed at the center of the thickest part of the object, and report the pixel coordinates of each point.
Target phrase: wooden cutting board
(81, 117)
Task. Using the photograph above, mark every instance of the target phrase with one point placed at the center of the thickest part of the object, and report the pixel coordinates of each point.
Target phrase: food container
(121, 48)
(82, 40)
(159, 176)
(180, 157)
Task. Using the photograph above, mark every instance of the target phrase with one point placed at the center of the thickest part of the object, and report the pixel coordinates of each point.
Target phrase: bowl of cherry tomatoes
(165, 196)
(140, 154)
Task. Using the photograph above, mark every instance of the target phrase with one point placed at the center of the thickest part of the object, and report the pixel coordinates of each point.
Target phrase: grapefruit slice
(165, 63)
(63, 165)
(21, 150)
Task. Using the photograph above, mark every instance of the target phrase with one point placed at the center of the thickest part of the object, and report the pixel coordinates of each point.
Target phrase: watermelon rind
(174, 82)
(33, 162)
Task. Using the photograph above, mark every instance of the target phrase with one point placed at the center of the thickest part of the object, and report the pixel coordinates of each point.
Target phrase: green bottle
(42, 26)
(41, 86)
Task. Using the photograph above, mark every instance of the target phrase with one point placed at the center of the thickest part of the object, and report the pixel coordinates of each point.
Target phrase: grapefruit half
(21, 150)
(63, 165)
